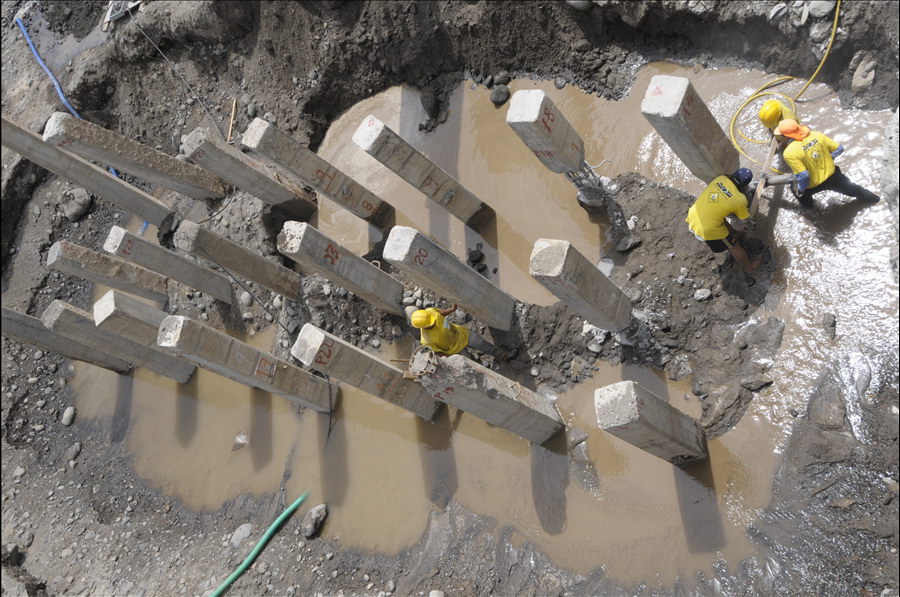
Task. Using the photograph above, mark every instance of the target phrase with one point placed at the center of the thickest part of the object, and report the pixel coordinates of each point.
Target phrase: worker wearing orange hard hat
(447, 338)
(772, 112)
(810, 155)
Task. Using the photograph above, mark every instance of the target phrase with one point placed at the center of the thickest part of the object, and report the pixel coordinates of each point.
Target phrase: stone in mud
(499, 95)
(755, 383)
(582, 45)
(702, 294)
(829, 322)
(75, 204)
(240, 534)
(582, 5)
(559, 83)
(821, 8)
(313, 520)
(826, 408)
(627, 243)
(502, 78)
(73, 452)
(68, 416)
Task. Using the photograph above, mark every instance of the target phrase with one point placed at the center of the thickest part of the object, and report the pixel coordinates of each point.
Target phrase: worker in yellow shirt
(772, 112)
(810, 155)
(706, 217)
(446, 338)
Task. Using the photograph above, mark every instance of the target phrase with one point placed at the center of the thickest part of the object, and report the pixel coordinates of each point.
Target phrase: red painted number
(264, 368)
(321, 175)
(129, 244)
(324, 353)
(548, 117)
(420, 256)
(443, 393)
(387, 380)
(367, 206)
(331, 254)
(543, 153)
(65, 142)
(198, 155)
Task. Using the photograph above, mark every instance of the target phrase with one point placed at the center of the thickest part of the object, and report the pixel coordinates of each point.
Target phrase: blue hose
(59, 91)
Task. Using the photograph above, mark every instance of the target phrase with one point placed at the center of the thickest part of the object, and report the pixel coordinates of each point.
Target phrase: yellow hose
(777, 81)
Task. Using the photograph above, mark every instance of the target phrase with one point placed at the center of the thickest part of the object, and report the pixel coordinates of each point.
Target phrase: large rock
(313, 520)
(821, 8)
(74, 204)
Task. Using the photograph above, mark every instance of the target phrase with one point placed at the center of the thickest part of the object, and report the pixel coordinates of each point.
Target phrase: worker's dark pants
(480, 344)
(838, 182)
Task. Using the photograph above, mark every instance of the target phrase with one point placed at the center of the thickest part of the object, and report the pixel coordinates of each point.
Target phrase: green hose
(260, 545)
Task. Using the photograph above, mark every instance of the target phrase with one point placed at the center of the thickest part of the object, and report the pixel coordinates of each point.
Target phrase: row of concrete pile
(123, 332)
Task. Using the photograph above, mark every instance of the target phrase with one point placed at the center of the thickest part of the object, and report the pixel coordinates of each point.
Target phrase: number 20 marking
(420, 256)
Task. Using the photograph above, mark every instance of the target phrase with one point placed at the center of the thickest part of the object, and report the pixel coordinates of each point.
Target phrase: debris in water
(240, 441)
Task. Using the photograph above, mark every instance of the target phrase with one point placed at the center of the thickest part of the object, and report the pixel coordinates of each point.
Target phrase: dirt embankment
(303, 64)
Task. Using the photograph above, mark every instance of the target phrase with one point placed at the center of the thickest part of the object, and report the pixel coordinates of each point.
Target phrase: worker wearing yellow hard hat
(810, 154)
(444, 337)
(772, 112)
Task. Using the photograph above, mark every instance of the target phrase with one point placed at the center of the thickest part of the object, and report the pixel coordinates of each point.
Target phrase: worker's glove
(751, 188)
(795, 189)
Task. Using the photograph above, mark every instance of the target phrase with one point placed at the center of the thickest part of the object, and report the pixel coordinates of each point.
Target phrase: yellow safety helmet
(770, 113)
(423, 318)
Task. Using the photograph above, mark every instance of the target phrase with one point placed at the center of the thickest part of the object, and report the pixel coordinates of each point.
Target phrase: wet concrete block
(229, 357)
(646, 421)
(683, 120)
(379, 141)
(341, 360)
(86, 175)
(207, 150)
(78, 325)
(477, 390)
(208, 245)
(107, 270)
(316, 253)
(545, 131)
(135, 249)
(30, 330)
(432, 266)
(109, 148)
(263, 138)
(568, 274)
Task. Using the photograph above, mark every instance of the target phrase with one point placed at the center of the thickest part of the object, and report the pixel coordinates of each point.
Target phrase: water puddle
(382, 470)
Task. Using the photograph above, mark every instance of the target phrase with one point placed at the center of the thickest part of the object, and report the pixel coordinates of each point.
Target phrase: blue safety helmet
(742, 177)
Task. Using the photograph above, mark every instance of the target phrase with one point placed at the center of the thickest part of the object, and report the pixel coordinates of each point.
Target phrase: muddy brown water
(382, 470)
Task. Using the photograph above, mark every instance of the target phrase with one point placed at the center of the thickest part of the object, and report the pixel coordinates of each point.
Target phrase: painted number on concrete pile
(265, 368)
(443, 394)
(388, 383)
(65, 142)
(548, 117)
(689, 102)
(129, 244)
(331, 254)
(366, 205)
(324, 354)
(198, 155)
(321, 175)
(420, 256)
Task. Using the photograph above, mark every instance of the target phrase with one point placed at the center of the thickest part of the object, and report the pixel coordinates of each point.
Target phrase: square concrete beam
(106, 270)
(263, 138)
(260, 180)
(545, 131)
(379, 141)
(133, 248)
(565, 272)
(229, 357)
(78, 325)
(95, 143)
(316, 253)
(88, 176)
(130, 318)
(203, 243)
(648, 422)
(341, 360)
(681, 118)
(477, 390)
(30, 330)
(432, 266)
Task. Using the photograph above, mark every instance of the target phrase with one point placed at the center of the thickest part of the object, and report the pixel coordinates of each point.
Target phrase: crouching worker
(446, 338)
(810, 154)
(706, 217)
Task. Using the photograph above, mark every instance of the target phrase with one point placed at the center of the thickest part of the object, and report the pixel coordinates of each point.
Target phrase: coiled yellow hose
(777, 81)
